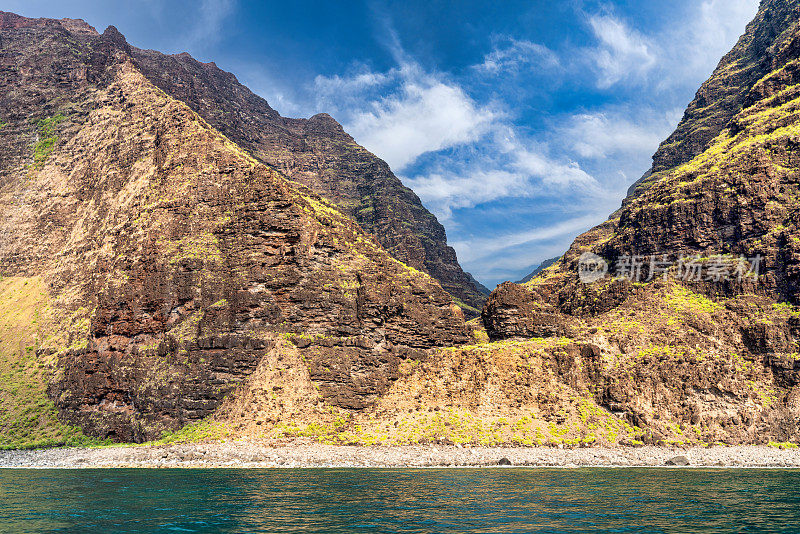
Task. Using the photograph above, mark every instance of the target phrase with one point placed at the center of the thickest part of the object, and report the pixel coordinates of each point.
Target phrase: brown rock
(190, 260)
(318, 153)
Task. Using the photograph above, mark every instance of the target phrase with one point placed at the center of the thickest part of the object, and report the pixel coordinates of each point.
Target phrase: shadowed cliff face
(174, 261)
(769, 41)
(740, 195)
(725, 185)
(731, 187)
(318, 153)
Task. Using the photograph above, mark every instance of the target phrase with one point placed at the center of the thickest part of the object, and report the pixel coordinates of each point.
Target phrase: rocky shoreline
(311, 455)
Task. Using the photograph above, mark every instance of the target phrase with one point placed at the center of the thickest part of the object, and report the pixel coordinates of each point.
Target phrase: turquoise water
(400, 500)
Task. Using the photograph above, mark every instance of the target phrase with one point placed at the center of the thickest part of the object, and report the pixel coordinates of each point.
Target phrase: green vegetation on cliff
(46, 129)
(28, 418)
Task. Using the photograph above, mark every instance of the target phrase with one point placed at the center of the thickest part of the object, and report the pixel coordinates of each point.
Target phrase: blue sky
(520, 124)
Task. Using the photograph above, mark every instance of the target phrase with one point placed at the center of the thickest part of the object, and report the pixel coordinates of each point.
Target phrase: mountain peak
(9, 21)
(321, 155)
(111, 32)
(323, 122)
(700, 268)
(202, 241)
(113, 35)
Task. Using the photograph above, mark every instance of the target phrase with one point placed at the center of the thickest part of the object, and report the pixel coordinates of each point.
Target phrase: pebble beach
(312, 455)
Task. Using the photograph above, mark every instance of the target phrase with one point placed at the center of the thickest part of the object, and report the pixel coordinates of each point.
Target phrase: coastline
(314, 455)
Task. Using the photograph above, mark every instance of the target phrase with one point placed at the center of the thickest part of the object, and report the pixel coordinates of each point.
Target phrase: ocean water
(400, 500)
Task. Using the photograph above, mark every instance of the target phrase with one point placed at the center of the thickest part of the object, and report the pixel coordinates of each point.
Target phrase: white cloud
(622, 53)
(348, 84)
(516, 55)
(425, 113)
(504, 166)
(424, 117)
(684, 52)
(720, 22)
(612, 132)
(445, 190)
(552, 173)
(404, 112)
(479, 248)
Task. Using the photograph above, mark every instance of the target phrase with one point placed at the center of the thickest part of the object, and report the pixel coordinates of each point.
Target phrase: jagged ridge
(725, 184)
(317, 152)
(768, 42)
(175, 262)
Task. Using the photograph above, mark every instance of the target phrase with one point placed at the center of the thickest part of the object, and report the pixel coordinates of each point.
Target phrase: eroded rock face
(675, 365)
(178, 261)
(516, 311)
(725, 184)
(761, 50)
(317, 152)
(736, 195)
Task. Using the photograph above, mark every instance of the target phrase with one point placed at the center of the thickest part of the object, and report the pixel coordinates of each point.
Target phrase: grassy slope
(521, 392)
(27, 416)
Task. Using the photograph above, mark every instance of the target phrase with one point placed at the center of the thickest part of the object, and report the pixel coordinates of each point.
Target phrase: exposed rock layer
(317, 152)
(179, 261)
(725, 185)
(769, 41)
